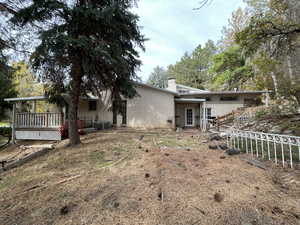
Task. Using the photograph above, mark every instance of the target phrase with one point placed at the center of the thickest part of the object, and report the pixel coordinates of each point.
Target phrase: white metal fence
(275, 147)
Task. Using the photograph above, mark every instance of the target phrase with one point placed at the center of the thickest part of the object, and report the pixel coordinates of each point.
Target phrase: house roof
(155, 88)
(226, 93)
(191, 88)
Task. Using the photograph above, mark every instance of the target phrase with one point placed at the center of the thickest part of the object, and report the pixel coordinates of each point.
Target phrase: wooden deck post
(13, 133)
(47, 118)
(34, 106)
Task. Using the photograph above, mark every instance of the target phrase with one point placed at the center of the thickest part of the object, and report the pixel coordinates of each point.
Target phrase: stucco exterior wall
(152, 109)
(220, 108)
(101, 114)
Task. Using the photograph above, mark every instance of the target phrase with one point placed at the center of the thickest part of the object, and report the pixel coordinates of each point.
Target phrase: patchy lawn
(131, 177)
(4, 124)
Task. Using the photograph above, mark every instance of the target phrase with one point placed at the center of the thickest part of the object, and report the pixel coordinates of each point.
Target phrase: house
(175, 106)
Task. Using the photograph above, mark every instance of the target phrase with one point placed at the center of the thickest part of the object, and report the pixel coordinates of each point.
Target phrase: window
(208, 113)
(92, 105)
(229, 98)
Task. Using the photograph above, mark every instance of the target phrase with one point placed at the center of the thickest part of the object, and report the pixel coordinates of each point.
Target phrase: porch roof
(23, 99)
(41, 98)
(190, 100)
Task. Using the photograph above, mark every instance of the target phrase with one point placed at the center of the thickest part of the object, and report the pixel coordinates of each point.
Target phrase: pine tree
(7, 89)
(85, 46)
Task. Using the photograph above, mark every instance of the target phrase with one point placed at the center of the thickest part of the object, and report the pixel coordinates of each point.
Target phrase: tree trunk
(275, 82)
(290, 69)
(297, 96)
(73, 105)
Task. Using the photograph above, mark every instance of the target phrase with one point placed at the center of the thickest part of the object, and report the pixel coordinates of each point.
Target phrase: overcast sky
(173, 27)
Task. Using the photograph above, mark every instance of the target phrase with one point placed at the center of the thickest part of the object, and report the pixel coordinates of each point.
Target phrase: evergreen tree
(192, 69)
(229, 70)
(158, 78)
(85, 46)
(7, 89)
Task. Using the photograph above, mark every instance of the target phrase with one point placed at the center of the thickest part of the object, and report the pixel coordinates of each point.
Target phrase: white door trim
(185, 117)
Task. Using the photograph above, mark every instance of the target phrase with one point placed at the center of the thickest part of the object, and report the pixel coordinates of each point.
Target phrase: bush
(102, 125)
(5, 131)
(261, 113)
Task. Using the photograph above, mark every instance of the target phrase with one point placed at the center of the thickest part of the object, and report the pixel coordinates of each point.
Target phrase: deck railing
(275, 147)
(38, 120)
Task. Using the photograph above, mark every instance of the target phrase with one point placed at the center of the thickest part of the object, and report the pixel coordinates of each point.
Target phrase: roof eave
(156, 88)
(227, 93)
(23, 99)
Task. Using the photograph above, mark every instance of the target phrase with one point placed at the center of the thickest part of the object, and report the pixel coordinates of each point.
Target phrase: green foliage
(261, 114)
(7, 88)
(5, 132)
(92, 43)
(192, 70)
(85, 46)
(158, 78)
(230, 70)
(25, 82)
(272, 39)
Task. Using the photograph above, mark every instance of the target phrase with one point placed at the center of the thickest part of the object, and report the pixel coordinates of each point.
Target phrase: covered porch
(191, 113)
(28, 124)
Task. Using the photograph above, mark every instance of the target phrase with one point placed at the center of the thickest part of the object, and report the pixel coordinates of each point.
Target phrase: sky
(173, 28)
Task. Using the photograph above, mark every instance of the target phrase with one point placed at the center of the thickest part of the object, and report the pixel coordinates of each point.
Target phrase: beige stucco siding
(152, 109)
(101, 114)
(220, 108)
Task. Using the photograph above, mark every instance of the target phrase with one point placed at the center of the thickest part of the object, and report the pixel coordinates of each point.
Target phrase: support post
(204, 117)
(267, 100)
(13, 135)
(34, 106)
(200, 124)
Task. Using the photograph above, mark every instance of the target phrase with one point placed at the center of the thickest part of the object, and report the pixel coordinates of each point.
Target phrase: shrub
(261, 113)
(5, 131)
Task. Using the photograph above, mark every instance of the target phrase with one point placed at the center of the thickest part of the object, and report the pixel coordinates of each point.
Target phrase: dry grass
(166, 179)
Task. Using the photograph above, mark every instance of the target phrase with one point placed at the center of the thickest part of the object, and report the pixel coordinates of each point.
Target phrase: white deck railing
(38, 120)
(267, 146)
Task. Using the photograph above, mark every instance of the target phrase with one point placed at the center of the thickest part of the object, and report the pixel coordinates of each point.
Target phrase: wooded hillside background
(259, 50)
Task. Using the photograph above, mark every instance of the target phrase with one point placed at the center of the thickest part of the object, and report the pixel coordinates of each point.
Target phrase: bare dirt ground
(131, 177)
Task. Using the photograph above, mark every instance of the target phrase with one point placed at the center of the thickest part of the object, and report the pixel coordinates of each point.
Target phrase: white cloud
(173, 27)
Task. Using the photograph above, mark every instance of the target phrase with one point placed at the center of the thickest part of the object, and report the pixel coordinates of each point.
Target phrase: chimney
(172, 84)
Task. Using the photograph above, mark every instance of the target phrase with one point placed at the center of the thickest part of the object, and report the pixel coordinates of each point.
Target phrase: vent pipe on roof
(172, 84)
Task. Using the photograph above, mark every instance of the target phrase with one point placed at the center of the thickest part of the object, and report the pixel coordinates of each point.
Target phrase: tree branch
(4, 7)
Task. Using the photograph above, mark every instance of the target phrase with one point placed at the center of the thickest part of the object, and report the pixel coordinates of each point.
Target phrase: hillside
(271, 119)
(138, 177)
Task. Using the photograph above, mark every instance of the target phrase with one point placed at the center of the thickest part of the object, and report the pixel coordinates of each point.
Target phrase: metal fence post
(256, 145)
(282, 151)
(268, 143)
(291, 155)
(247, 143)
